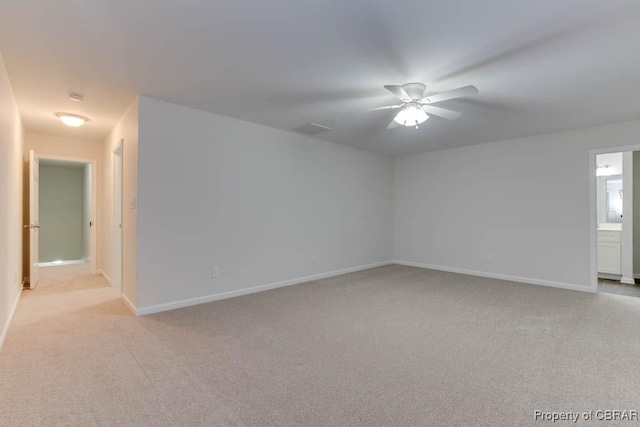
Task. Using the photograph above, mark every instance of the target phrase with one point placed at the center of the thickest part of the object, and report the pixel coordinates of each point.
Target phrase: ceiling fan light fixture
(411, 115)
(72, 120)
(414, 90)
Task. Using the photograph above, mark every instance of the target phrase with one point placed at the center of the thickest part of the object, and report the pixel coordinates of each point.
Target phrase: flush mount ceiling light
(72, 120)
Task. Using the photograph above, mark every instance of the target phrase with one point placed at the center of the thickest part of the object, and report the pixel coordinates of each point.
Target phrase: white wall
(61, 146)
(126, 130)
(61, 213)
(518, 208)
(11, 142)
(264, 205)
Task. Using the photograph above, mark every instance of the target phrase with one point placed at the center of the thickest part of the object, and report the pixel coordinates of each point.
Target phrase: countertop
(610, 227)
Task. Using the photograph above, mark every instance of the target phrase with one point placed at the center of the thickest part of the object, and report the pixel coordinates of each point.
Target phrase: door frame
(593, 206)
(93, 235)
(33, 219)
(117, 165)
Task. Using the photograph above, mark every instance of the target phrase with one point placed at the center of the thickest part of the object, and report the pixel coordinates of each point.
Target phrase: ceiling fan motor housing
(414, 90)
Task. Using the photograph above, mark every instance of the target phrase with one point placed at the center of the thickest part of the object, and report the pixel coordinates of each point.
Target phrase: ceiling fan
(416, 107)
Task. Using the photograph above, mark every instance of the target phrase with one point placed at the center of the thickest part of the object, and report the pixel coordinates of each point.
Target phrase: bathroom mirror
(614, 198)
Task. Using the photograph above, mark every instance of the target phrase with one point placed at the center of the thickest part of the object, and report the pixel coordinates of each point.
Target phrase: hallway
(63, 290)
(75, 355)
(74, 326)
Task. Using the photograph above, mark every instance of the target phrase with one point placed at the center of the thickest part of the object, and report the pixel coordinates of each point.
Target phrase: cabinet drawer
(609, 236)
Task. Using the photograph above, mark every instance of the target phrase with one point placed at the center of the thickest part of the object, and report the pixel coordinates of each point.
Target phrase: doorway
(615, 221)
(62, 211)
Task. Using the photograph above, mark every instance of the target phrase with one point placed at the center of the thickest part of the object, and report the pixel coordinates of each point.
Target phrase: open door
(34, 222)
(116, 279)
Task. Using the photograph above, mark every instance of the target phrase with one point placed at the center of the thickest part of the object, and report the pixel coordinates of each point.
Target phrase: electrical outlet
(215, 272)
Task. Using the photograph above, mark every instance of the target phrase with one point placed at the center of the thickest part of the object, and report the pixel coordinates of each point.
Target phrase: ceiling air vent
(312, 129)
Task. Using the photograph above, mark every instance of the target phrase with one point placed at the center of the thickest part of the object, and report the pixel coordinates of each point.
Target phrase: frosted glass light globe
(411, 115)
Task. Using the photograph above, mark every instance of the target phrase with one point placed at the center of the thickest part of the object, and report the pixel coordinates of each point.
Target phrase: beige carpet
(389, 346)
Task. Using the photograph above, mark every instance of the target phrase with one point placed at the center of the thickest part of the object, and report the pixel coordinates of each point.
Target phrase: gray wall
(636, 212)
(266, 206)
(61, 213)
(516, 209)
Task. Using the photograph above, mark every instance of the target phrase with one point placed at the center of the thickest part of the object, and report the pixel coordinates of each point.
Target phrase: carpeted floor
(615, 287)
(389, 346)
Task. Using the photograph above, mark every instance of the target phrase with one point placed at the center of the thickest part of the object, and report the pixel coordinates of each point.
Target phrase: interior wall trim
(129, 305)
(5, 330)
(224, 295)
(499, 276)
(105, 275)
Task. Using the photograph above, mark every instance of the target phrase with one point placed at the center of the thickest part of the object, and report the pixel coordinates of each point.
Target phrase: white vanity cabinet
(609, 252)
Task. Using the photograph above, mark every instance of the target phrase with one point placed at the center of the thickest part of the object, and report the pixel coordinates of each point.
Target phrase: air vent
(312, 129)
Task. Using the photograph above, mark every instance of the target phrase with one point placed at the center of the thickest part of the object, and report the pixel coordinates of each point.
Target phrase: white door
(34, 223)
(117, 217)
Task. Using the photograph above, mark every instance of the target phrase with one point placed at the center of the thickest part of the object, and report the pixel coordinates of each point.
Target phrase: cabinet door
(609, 258)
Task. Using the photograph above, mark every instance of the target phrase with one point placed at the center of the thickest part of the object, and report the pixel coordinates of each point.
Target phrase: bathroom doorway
(617, 204)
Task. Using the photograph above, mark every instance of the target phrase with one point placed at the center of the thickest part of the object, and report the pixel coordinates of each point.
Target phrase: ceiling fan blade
(441, 112)
(452, 94)
(399, 92)
(386, 107)
(393, 123)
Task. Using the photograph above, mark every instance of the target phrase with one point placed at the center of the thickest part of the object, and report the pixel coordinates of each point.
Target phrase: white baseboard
(5, 329)
(549, 283)
(627, 280)
(105, 275)
(129, 305)
(59, 263)
(224, 295)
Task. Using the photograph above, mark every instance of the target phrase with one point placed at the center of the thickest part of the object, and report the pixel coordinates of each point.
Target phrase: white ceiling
(541, 66)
